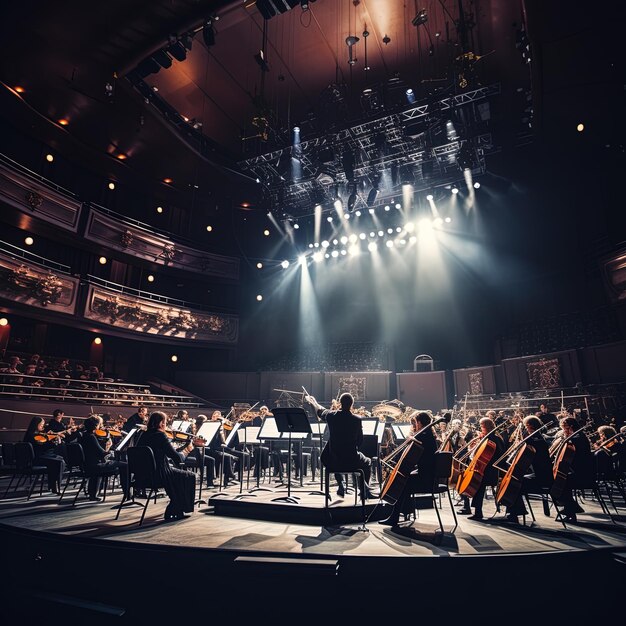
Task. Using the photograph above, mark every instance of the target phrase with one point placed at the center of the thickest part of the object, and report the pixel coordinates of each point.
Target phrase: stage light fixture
(111, 186)
(447, 220)
(285, 264)
(317, 257)
(372, 211)
(476, 185)
(159, 209)
(371, 196)
(580, 127)
(102, 260)
(266, 232)
(334, 254)
(302, 259)
(329, 218)
(357, 213)
(455, 190)
(174, 358)
(259, 266)
(49, 158)
(296, 226)
(389, 243)
(4, 321)
(420, 18)
(387, 207)
(29, 241)
(97, 341)
(150, 278)
(371, 246)
(410, 96)
(208, 32)
(259, 298)
(429, 197)
(325, 244)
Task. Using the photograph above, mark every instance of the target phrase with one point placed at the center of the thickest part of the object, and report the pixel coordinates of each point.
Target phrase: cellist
(421, 480)
(490, 478)
(580, 471)
(540, 474)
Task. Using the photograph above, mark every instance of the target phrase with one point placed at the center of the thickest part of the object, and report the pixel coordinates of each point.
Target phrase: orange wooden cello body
(511, 483)
(395, 482)
(562, 464)
(472, 477)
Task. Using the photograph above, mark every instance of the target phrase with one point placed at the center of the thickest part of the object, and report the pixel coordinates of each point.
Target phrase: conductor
(345, 436)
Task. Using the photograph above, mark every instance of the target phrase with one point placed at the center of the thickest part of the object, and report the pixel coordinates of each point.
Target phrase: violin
(45, 437)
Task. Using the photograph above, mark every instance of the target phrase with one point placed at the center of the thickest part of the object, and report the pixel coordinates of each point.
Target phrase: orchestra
(516, 451)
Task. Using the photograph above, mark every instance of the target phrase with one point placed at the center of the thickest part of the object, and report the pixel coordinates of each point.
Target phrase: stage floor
(308, 535)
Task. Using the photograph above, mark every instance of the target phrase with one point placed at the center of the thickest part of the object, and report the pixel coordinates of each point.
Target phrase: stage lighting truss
(377, 144)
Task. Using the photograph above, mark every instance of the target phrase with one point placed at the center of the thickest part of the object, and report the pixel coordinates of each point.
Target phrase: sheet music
(250, 435)
(370, 426)
(318, 429)
(181, 425)
(125, 440)
(208, 430)
(232, 434)
(401, 431)
(269, 430)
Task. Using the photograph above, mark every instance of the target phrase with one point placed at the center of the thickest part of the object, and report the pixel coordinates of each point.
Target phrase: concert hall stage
(287, 550)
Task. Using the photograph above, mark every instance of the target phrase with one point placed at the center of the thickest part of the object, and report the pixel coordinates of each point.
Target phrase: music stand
(252, 438)
(290, 420)
(207, 431)
(318, 432)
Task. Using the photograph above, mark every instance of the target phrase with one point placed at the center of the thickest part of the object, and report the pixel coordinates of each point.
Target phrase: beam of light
(471, 192)
(318, 221)
(310, 329)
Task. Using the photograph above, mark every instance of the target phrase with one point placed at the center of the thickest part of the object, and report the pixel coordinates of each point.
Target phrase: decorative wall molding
(141, 315)
(35, 198)
(156, 248)
(37, 286)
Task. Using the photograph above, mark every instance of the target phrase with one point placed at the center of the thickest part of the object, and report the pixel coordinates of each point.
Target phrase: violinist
(136, 420)
(581, 470)
(490, 478)
(44, 447)
(422, 475)
(607, 453)
(219, 452)
(455, 436)
(96, 458)
(198, 457)
(262, 453)
(179, 484)
(540, 471)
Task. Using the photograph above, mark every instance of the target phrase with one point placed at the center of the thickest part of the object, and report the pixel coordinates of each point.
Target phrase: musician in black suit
(136, 419)
(422, 475)
(581, 471)
(539, 476)
(179, 484)
(96, 461)
(46, 453)
(345, 436)
(490, 476)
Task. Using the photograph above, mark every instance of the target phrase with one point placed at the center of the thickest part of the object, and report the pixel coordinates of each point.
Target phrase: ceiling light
(19, 89)
(121, 156)
(102, 260)
(150, 278)
(49, 158)
(580, 127)
(29, 241)
(159, 209)
(111, 186)
(168, 181)
(173, 358)
(296, 226)
(209, 228)
(259, 265)
(266, 232)
(97, 341)
(4, 321)
(259, 298)
(476, 185)
(63, 122)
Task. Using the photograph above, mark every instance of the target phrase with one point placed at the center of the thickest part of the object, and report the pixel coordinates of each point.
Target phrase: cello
(472, 476)
(410, 452)
(563, 458)
(521, 456)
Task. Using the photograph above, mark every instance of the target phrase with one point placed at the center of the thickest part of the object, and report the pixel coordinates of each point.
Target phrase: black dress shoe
(464, 511)
(390, 521)
(95, 499)
(512, 518)
(571, 518)
(477, 517)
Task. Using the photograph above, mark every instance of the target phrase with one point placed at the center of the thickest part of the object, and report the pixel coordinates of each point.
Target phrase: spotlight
(429, 197)
(381, 233)
(580, 127)
(420, 18)
(362, 236)
(209, 228)
(64, 122)
(357, 213)
(29, 241)
(49, 158)
(346, 216)
(476, 185)
(259, 265)
(410, 96)
(338, 204)
(111, 186)
(448, 220)
(334, 254)
(353, 250)
(437, 222)
(325, 244)
(343, 253)
(372, 195)
(174, 358)
(317, 257)
(302, 259)
(266, 232)
(372, 211)
(150, 278)
(389, 231)
(371, 246)
(296, 129)
(102, 260)
(455, 190)
(159, 209)
(97, 341)
(4, 321)
(296, 226)
(208, 32)
(352, 239)
(285, 264)
(335, 242)
(398, 205)
(389, 243)
(259, 298)
(329, 218)
(387, 207)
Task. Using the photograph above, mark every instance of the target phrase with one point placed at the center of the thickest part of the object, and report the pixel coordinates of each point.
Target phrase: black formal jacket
(93, 451)
(345, 437)
(133, 421)
(162, 449)
(541, 463)
(582, 468)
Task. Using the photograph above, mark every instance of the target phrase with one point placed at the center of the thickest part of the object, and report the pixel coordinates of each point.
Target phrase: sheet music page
(208, 430)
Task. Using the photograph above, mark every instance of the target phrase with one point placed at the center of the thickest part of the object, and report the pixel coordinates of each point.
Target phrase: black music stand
(318, 431)
(291, 420)
(207, 431)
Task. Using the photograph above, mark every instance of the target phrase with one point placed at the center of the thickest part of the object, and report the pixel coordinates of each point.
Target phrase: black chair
(25, 468)
(370, 448)
(76, 463)
(142, 475)
(442, 471)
